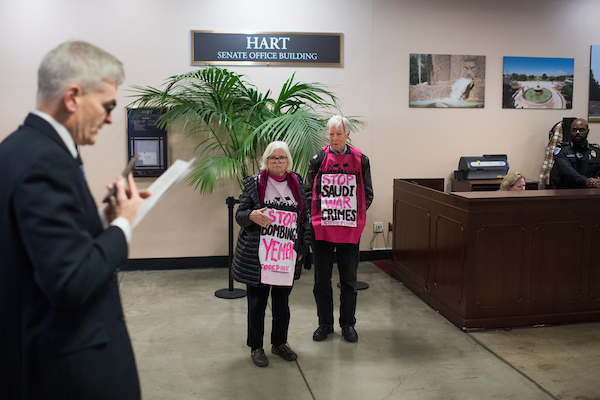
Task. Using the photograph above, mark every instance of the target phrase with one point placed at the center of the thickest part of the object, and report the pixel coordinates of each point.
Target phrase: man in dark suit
(62, 333)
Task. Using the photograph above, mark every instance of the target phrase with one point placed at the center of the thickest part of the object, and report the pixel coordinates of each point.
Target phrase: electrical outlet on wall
(377, 227)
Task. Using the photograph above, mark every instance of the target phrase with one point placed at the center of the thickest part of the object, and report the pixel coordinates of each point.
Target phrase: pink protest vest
(338, 198)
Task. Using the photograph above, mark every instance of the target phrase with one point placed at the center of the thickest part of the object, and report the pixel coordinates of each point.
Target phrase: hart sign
(338, 200)
(276, 249)
(266, 48)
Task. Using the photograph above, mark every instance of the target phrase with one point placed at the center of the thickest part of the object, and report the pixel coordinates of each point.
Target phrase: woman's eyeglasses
(280, 159)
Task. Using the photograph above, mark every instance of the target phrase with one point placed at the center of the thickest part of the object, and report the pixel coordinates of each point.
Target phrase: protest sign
(276, 250)
(338, 200)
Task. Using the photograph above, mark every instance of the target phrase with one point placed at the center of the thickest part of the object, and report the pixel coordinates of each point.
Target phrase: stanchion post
(230, 293)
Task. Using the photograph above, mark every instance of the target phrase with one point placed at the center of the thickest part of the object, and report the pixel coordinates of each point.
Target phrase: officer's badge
(593, 153)
(556, 151)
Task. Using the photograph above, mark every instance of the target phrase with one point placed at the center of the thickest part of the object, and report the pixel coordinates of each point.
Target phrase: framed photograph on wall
(594, 102)
(538, 83)
(446, 81)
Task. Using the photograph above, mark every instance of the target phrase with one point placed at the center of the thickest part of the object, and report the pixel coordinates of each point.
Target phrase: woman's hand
(259, 218)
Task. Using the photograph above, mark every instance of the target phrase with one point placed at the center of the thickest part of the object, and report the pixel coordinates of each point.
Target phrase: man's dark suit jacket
(62, 331)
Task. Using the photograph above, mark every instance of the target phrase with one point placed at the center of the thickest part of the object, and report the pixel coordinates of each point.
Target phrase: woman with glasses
(274, 236)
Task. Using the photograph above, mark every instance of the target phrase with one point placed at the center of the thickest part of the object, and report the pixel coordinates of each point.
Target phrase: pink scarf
(292, 182)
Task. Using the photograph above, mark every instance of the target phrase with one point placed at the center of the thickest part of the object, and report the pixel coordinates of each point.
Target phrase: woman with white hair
(338, 183)
(274, 236)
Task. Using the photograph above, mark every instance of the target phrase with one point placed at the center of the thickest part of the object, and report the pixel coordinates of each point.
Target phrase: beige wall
(152, 40)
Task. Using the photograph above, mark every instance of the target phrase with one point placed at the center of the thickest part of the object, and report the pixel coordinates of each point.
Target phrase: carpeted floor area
(384, 265)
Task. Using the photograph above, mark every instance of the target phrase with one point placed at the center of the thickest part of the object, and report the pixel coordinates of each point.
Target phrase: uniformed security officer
(576, 164)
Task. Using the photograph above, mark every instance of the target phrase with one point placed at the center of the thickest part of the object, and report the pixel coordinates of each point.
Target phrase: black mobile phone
(125, 172)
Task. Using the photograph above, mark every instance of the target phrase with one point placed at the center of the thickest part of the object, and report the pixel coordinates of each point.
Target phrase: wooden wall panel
(449, 258)
(594, 286)
(411, 239)
(557, 262)
(499, 266)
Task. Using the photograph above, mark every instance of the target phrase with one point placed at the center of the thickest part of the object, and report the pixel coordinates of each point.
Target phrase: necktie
(80, 164)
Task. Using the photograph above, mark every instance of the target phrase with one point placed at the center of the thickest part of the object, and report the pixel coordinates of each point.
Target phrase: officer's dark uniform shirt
(573, 166)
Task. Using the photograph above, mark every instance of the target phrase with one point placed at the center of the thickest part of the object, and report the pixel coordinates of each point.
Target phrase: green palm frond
(295, 95)
(234, 122)
(212, 169)
(302, 131)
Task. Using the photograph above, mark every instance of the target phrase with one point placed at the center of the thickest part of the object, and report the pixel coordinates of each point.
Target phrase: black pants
(347, 260)
(257, 304)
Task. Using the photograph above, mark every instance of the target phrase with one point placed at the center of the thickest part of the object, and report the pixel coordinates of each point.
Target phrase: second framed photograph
(537, 82)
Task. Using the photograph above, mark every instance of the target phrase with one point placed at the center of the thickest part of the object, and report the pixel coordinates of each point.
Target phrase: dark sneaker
(349, 333)
(259, 357)
(321, 333)
(284, 352)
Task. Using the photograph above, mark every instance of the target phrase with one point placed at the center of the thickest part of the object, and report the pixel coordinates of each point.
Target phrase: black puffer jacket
(246, 265)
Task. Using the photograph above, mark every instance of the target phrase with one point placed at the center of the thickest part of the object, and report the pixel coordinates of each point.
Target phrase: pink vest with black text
(338, 200)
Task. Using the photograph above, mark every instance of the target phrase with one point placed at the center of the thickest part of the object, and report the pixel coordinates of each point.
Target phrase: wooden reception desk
(499, 259)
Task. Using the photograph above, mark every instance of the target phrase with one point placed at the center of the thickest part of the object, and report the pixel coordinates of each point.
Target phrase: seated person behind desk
(515, 181)
(576, 164)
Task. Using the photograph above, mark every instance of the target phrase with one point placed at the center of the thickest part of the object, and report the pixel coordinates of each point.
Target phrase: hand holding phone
(125, 172)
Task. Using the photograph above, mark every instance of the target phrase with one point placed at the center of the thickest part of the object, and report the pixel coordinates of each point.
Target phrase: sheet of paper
(162, 186)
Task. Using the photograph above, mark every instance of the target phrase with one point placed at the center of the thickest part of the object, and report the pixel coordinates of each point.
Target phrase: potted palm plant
(234, 121)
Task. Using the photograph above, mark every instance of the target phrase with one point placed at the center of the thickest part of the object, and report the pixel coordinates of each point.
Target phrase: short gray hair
(270, 149)
(339, 121)
(76, 62)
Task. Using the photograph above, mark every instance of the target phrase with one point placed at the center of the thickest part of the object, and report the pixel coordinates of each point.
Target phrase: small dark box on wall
(146, 138)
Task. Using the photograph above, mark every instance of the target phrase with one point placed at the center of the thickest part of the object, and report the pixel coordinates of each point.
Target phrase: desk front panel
(496, 261)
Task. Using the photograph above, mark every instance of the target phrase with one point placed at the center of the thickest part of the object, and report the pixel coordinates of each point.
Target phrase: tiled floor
(190, 344)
